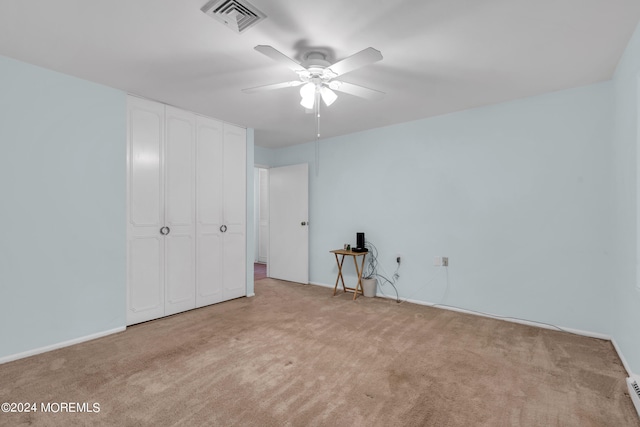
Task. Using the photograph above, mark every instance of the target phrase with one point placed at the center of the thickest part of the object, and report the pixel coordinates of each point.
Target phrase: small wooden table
(340, 278)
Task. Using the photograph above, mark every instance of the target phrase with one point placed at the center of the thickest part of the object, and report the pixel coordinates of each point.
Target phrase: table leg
(359, 273)
(340, 277)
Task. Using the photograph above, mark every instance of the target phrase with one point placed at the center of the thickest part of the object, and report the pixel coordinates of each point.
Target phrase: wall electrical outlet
(441, 261)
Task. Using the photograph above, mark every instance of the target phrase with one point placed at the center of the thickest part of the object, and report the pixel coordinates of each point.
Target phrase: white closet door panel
(209, 269)
(209, 166)
(146, 122)
(180, 292)
(234, 265)
(179, 173)
(146, 286)
(145, 189)
(235, 175)
(179, 168)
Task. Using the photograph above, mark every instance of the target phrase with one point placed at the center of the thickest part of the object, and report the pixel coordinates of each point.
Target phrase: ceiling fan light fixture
(308, 103)
(328, 96)
(308, 94)
(308, 90)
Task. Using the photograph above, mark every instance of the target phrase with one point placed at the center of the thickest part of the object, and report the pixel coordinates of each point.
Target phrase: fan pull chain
(317, 153)
(317, 121)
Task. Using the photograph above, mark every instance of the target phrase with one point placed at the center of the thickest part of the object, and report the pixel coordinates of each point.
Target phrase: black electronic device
(360, 243)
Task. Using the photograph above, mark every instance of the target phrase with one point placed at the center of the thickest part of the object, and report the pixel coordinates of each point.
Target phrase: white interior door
(288, 223)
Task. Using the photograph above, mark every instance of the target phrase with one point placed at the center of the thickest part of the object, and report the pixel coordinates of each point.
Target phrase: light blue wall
(62, 183)
(516, 194)
(263, 156)
(62, 209)
(625, 191)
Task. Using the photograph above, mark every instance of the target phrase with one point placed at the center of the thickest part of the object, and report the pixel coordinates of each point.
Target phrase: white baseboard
(321, 284)
(56, 346)
(588, 334)
(251, 295)
(581, 332)
(624, 361)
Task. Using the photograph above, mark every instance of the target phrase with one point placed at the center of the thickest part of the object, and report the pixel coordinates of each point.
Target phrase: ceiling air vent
(237, 15)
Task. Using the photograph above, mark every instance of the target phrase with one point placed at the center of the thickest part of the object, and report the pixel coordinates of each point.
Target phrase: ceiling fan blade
(293, 83)
(352, 89)
(357, 60)
(280, 57)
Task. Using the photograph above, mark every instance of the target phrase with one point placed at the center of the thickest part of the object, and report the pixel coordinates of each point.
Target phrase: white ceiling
(440, 56)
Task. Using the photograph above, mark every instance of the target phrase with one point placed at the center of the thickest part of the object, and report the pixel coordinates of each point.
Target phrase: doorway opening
(261, 222)
(281, 221)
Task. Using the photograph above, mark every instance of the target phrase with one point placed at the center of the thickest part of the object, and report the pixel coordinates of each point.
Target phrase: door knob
(165, 230)
(303, 223)
(223, 228)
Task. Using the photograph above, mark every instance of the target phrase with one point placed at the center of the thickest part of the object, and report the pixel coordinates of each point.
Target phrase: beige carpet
(295, 356)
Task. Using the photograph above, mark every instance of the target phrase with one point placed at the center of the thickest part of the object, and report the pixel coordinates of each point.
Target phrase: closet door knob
(303, 223)
(165, 230)
(223, 228)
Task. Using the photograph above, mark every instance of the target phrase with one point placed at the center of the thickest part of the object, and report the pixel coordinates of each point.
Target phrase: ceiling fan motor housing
(317, 69)
(316, 59)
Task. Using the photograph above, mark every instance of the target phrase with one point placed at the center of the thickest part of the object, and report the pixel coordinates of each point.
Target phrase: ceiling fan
(317, 75)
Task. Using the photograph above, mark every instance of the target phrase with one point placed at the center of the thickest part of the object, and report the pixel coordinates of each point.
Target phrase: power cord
(428, 282)
(551, 325)
(446, 294)
(371, 270)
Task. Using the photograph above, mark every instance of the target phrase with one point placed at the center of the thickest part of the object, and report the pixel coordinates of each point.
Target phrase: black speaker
(359, 243)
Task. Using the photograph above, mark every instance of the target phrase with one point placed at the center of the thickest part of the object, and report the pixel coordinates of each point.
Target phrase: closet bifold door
(209, 165)
(145, 211)
(161, 210)
(179, 211)
(221, 211)
(234, 212)
(186, 211)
